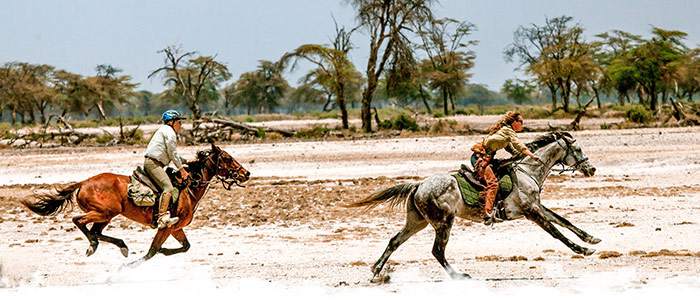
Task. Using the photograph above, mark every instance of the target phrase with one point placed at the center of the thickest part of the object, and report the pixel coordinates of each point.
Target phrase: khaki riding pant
(154, 168)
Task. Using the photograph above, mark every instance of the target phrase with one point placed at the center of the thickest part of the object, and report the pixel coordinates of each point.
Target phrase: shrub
(385, 124)
(438, 114)
(260, 133)
(316, 132)
(402, 122)
(639, 114)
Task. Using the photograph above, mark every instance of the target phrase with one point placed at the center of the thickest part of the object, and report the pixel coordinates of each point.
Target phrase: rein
(564, 168)
(569, 152)
(230, 177)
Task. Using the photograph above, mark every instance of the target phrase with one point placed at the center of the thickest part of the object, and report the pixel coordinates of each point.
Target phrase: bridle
(229, 178)
(568, 151)
(564, 168)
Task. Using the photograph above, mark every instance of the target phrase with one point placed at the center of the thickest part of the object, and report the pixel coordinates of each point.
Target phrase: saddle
(145, 192)
(470, 185)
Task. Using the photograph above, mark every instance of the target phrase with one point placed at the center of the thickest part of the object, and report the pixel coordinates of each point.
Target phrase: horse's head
(573, 155)
(224, 167)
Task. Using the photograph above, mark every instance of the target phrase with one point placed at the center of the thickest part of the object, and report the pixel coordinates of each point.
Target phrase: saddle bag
(140, 194)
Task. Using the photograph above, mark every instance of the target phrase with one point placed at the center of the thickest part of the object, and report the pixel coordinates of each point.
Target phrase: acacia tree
(40, 96)
(612, 47)
(552, 53)
(74, 93)
(518, 90)
(260, 89)
(111, 88)
(689, 83)
(407, 80)
(334, 68)
(191, 79)
(654, 65)
(387, 23)
(449, 58)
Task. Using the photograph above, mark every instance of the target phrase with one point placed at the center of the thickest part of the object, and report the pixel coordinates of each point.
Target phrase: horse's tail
(396, 195)
(54, 203)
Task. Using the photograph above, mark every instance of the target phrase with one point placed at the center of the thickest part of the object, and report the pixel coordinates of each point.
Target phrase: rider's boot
(164, 219)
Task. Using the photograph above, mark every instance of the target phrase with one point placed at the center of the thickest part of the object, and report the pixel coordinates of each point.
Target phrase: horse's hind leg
(539, 218)
(97, 231)
(80, 222)
(557, 219)
(414, 223)
(442, 236)
(179, 235)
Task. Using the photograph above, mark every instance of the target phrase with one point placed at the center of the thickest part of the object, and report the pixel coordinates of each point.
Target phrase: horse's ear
(215, 148)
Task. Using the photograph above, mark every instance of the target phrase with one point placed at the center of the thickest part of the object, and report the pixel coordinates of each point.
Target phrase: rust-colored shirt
(504, 138)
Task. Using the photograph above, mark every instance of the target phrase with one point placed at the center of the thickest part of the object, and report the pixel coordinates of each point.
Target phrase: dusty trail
(288, 227)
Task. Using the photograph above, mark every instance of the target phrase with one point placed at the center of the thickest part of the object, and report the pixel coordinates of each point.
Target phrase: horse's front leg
(179, 235)
(559, 220)
(537, 215)
(158, 241)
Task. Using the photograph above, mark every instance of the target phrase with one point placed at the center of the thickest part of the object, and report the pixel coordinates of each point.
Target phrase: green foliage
(462, 111)
(260, 133)
(316, 132)
(104, 139)
(639, 114)
(401, 122)
(438, 114)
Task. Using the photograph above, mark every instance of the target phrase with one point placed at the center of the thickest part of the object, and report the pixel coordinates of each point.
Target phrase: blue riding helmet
(171, 115)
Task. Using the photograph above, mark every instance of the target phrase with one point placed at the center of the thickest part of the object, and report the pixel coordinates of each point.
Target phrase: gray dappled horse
(437, 200)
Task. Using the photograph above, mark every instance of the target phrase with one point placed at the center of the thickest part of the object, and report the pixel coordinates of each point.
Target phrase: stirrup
(166, 221)
(488, 221)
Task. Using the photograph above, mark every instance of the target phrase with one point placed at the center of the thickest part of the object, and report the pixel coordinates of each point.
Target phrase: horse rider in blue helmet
(161, 151)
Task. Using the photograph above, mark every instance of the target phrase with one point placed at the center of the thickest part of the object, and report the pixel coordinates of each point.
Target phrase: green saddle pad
(471, 196)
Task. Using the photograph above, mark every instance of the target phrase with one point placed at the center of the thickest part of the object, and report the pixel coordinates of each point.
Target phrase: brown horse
(104, 196)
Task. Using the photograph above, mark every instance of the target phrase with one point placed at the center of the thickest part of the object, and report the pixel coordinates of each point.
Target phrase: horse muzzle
(587, 169)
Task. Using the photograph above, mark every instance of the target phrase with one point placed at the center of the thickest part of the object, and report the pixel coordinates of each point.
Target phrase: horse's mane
(546, 139)
(198, 165)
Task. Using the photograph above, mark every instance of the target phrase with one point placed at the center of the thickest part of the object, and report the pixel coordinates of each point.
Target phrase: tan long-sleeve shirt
(504, 138)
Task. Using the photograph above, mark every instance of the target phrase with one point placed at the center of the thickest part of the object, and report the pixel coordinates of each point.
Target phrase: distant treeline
(418, 62)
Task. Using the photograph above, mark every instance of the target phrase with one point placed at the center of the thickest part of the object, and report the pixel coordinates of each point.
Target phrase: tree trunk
(341, 106)
(196, 111)
(425, 100)
(365, 110)
(452, 102)
(444, 102)
(653, 101)
(553, 94)
(100, 110)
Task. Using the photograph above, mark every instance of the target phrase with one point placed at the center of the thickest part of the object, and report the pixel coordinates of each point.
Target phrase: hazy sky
(77, 35)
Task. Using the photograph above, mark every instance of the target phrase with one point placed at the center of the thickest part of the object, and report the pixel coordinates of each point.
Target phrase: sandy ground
(288, 231)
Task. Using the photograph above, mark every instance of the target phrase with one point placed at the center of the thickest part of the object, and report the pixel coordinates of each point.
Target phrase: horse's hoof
(125, 251)
(90, 251)
(592, 240)
(460, 276)
(375, 271)
(587, 251)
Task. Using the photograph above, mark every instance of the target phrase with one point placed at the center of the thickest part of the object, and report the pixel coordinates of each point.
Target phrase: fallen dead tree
(677, 112)
(220, 129)
(63, 134)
